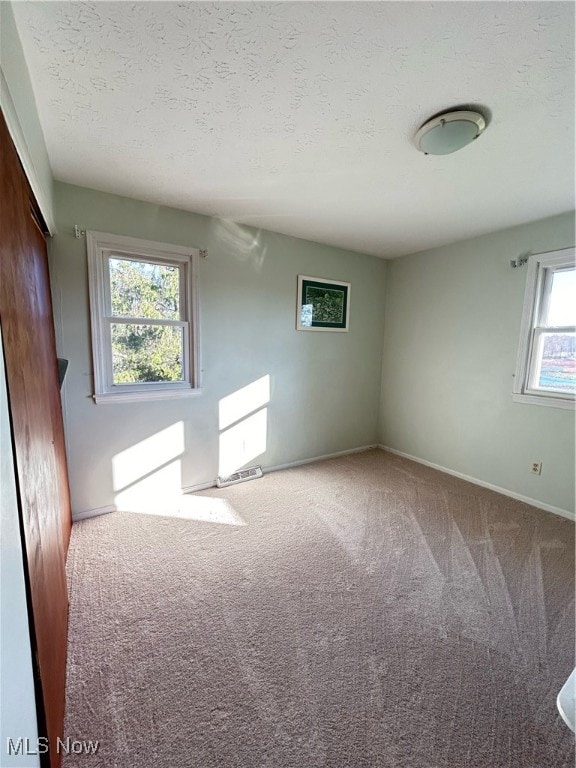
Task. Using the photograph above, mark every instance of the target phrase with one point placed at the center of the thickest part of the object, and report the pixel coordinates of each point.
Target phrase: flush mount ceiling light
(449, 132)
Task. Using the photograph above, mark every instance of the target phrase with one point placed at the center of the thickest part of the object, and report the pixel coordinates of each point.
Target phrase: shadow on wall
(147, 476)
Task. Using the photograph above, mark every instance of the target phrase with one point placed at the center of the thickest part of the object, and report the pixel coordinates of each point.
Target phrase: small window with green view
(143, 306)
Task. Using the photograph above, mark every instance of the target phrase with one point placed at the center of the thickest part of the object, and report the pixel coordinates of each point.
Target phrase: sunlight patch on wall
(144, 459)
(243, 442)
(159, 489)
(244, 421)
(244, 401)
(148, 480)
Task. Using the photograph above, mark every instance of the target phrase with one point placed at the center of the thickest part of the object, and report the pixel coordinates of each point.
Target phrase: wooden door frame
(37, 432)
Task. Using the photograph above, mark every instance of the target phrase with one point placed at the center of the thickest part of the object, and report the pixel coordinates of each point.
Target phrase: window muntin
(546, 369)
(144, 318)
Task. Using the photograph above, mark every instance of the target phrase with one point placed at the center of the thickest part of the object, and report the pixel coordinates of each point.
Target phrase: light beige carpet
(360, 612)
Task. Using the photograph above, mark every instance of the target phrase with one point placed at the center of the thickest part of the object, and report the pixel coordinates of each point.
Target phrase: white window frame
(541, 268)
(101, 247)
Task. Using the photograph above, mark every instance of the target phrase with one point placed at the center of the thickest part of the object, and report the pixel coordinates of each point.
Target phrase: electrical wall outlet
(536, 468)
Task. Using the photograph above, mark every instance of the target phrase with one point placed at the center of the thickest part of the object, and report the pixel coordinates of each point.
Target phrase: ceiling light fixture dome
(449, 132)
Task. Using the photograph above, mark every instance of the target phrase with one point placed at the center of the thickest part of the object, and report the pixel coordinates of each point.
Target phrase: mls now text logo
(25, 746)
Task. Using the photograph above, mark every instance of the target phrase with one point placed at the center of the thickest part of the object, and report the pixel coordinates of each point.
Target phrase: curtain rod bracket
(519, 262)
(78, 233)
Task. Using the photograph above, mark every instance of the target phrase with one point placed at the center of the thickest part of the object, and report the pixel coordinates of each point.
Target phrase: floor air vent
(239, 477)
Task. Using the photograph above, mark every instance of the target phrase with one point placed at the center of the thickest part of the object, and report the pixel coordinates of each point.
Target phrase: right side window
(546, 367)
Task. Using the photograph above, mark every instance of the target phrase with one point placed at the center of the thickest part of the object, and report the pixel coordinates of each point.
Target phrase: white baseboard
(504, 491)
(76, 516)
(326, 456)
(198, 487)
(484, 484)
(289, 465)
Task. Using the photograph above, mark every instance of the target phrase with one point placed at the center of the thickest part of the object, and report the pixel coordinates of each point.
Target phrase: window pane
(562, 307)
(142, 289)
(146, 353)
(557, 371)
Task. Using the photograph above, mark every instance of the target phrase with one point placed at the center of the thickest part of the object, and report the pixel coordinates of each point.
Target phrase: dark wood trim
(40, 713)
(37, 431)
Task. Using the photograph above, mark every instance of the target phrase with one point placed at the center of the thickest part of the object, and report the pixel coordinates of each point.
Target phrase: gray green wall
(452, 322)
(325, 387)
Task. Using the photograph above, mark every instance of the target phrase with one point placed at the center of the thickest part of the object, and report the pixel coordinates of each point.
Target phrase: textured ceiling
(299, 117)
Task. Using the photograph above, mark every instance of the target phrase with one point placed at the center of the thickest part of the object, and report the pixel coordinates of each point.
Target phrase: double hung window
(143, 302)
(546, 367)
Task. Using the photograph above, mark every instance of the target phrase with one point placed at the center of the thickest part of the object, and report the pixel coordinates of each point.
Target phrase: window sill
(551, 402)
(109, 398)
